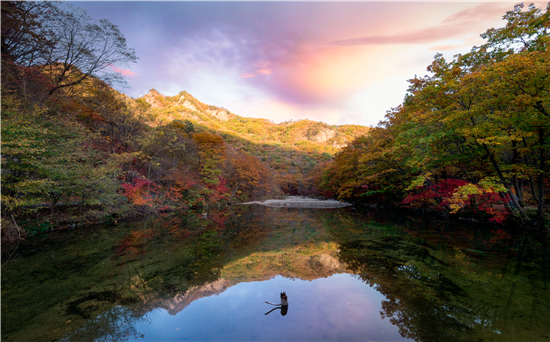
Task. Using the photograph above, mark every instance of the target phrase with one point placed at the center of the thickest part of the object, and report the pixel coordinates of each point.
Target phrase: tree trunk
(234, 192)
(540, 209)
(504, 182)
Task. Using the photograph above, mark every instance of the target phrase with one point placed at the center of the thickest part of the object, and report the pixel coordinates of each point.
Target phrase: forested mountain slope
(304, 134)
(291, 149)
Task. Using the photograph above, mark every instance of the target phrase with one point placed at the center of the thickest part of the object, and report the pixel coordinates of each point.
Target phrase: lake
(350, 275)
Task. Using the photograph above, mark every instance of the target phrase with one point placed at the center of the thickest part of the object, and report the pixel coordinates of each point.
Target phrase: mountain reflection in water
(348, 276)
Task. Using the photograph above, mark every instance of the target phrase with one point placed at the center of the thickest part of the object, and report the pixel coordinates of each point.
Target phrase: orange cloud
(258, 72)
(328, 74)
(448, 47)
(312, 71)
(262, 64)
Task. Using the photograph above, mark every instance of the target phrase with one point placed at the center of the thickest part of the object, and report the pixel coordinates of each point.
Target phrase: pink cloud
(456, 25)
(427, 35)
(478, 13)
(123, 72)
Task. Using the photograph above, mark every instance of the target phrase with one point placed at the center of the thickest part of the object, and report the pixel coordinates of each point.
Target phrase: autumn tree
(212, 152)
(62, 41)
(480, 119)
(119, 121)
(26, 39)
(245, 174)
(85, 47)
(47, 158)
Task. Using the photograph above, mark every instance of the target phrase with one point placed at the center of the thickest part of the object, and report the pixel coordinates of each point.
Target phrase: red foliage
(485, 204)
(438, 196)
(219, 190)
(139, 192)
(500, 236)
(176, 191)
(218, 220)
(134, 243)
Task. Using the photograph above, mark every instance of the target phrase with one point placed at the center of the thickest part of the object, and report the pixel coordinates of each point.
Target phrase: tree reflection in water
(439, 288)
(441, 281)
(116, 324)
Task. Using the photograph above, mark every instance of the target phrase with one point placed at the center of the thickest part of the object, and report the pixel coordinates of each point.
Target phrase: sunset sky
(335, 62)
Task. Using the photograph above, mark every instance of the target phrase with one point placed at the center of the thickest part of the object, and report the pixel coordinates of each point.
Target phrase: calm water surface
(349, 276)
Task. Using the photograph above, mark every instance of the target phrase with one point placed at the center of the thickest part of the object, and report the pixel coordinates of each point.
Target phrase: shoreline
(300, 202)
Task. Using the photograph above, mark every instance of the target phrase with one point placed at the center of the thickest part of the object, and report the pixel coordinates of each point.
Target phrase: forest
(472, 136)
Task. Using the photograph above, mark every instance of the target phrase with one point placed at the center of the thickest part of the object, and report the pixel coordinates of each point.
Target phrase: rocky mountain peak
(153, 97)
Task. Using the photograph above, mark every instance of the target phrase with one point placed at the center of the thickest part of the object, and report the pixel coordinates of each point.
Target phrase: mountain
(292, 149)
(184, 106)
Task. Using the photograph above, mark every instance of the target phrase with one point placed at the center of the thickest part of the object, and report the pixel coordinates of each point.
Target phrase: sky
(335, 62)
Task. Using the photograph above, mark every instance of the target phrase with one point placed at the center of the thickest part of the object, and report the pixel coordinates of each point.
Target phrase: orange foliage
(208, 141)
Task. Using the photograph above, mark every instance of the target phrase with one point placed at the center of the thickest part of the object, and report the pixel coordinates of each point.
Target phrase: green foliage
(418, 181)
(47, 158)
(481, 117)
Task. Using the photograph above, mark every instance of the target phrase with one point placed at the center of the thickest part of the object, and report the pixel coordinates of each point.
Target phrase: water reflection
(116, 324)
(438, 287)
(349, 276)
(283, 306)
(319, 312)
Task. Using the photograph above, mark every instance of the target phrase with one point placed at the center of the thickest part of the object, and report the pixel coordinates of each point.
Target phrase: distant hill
(328, 138)
(292, 148)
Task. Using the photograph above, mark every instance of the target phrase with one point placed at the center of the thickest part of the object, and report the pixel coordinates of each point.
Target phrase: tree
(212, 152)
(245, 173)
(120, 122)
(525, 30)
(26, 40)
(47, 158)
(84, 48)
(480, 118)
(64, 42)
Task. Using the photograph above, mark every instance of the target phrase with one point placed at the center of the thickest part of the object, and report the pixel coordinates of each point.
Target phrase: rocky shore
(300, 202)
